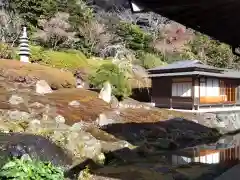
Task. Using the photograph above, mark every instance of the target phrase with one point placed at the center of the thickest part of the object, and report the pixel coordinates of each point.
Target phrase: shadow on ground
(154, 143)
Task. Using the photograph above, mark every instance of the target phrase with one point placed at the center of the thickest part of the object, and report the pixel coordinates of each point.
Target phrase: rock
(78, 126)
(37, 147)
(33, 126)
(100, 159)
(60, 119)
(104, 120)
(7, 127)
(4, 127)
(74, 104)
(79, 82)
(114, 102)
(15, 127)
(15, 100)
(36, 105)
(157, 132)
(83, 145)
(26, 157)
(42, 87)
(195, 120)
(37, 109)
(18, 115)
(113, 146)
(106, 92)
(35, 122)
(44, 128)
(164, 144)
(59, 137)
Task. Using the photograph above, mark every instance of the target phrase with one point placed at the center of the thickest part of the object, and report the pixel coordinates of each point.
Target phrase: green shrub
(135, 38)
(110, 72)
(22, 169)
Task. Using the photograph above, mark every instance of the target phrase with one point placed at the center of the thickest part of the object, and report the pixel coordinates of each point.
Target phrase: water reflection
(225, 151)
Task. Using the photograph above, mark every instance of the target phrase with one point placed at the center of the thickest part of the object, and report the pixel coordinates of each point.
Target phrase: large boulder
(42, 87)
(37, 147)
(106, 92)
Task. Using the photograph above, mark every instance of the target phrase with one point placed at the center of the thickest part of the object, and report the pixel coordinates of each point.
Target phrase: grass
(65, 59)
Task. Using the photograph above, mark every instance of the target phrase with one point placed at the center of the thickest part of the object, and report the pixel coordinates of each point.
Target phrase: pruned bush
(30, 170)
(65, 59)
(110, 72)
(29, 72)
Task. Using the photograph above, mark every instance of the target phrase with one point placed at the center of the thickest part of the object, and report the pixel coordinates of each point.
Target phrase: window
(182, 89)
(212, 87)
(209, 87)
(202, 87)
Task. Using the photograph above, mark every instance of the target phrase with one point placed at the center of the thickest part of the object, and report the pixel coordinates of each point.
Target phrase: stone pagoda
(24, 51)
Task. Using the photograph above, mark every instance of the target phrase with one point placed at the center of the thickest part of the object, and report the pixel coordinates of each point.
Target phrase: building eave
(196, 73)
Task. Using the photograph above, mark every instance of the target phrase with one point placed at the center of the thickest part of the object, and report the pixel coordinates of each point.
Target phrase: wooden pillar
(171, 102)
(193, 92)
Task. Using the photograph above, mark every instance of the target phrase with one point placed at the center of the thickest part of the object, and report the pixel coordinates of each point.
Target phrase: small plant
(26, 169)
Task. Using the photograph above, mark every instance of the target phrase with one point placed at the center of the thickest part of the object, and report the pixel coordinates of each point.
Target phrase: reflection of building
(194, 86)
(224, 151)
(203, 156)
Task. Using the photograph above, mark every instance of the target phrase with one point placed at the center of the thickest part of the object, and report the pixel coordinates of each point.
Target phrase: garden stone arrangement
(74, 129)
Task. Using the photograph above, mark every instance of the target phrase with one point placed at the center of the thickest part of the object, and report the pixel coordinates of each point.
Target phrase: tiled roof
(184, 64)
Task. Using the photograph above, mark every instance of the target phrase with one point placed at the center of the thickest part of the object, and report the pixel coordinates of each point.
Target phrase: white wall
(182, 89)
(196, 88)
(209, 87)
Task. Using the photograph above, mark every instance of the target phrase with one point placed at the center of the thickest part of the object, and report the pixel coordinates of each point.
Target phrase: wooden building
(194, 85)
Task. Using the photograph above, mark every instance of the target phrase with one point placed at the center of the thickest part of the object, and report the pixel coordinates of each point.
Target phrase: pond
(207, 161)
